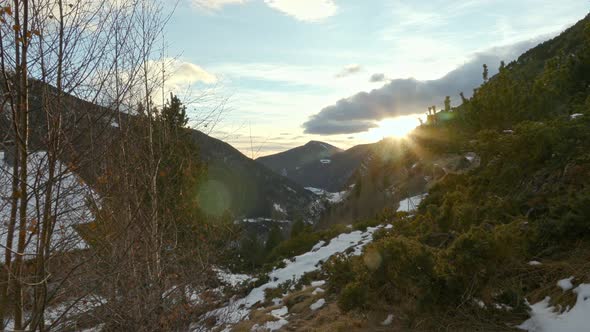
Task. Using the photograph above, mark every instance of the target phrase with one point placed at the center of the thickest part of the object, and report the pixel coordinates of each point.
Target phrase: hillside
(248, 188)
(506, 215)
(118, 212)
(496, 236)
(234, 183)
(329, 173)
(290, 161)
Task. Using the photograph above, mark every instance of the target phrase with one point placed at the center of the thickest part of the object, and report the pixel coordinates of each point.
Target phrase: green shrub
(339, 270)
(354, 296)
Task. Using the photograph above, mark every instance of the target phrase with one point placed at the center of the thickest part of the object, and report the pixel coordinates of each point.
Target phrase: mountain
(248, 188)
(318, 165)
(478, 220)
(233, 182)
(288, 162)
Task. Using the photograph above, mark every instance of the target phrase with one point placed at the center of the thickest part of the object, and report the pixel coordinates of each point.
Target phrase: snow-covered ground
(231, 279)
(410, 204)
(68, 204)
(545, 318)
(279, 208)
(259, 220)
(239, 309)
(333, 198)
(280, 314)
(62, 316)
(317, 304)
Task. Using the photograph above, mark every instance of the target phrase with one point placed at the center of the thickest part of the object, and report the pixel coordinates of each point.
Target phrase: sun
(398, 127)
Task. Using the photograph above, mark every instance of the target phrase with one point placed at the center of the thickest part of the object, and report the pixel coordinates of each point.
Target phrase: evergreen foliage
(530, 198)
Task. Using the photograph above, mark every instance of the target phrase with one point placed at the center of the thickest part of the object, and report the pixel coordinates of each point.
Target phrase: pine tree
(463, 99)
(275, 236)
(447, 104)
(485, 72)
(174, 113)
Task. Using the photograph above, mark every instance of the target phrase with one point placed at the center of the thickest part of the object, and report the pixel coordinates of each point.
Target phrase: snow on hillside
(333, 198)
(61, 317)
(545, 318)
(70, 209)
(410, 204)
(279, 208)
(231, 279)
(239, 309)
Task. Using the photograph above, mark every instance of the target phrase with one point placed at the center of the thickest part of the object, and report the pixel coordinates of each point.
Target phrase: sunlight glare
(397, 127)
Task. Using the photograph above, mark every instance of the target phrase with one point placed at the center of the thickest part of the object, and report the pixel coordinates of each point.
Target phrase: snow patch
(317, 304)
(318, 283)
(534, 263)
(259, 220)
(333, 198)
(387, 320)
(545, 319)
(239, 309)
(471, 156)
(410, 204)
(565, 284)
(280, 314)
(479, 303)
(279, 208)
(576, 115)
(70, 206)
(231, 279)
(318, 245)
(317, 291)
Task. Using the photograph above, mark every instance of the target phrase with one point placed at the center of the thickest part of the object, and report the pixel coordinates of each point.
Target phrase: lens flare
(398, 127)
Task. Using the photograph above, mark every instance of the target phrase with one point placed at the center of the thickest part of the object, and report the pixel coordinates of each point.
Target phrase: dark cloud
(378, 77)
(364, 110)
(349, 70)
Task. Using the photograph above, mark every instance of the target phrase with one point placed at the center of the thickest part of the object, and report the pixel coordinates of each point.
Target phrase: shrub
(354, 296)
(339, 271)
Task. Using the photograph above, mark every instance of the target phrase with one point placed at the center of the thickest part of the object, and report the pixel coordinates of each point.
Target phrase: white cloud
(364, 110)
(188, 73)
(305, 10)
(215, 4)
(181, 77)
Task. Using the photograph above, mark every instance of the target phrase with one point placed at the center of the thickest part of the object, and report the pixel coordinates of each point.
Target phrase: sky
(269, 75)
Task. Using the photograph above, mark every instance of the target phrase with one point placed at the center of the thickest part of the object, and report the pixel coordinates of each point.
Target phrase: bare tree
(57, 58)
(85, 201)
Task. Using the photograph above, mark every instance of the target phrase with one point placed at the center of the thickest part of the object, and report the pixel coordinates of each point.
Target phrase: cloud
(305, 10)
(378, 77)
(364, 110)
(215, 4)
(349, 70)
(189, 73)
(181, 77)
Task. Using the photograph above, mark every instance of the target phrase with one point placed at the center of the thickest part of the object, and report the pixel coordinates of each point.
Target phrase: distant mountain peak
(317, 164)
(321, 144)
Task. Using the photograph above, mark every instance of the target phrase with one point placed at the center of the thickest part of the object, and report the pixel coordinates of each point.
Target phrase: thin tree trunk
(23, 106)
(6, 281)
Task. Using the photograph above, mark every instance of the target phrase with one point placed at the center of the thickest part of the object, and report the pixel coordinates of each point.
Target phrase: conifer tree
(463, 99)
(174, 113)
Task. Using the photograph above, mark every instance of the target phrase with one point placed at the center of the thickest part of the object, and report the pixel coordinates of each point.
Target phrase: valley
(121, 209)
